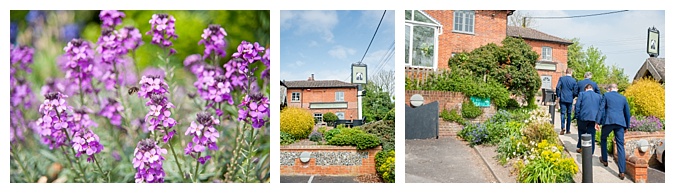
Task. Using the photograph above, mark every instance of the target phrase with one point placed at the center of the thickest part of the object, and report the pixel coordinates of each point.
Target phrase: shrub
(452, 116)
(512, 104)
(330, 133)
(355, 137)
(537, 132)
(475, 134)
(548, 165)
(322, 130)
(286, 138)
(514, 146)
(296, 122)
(385, 165)
(470, 111)
(329, 117)
(649, 97)
(466, 82)
(385, 130)
(391, 115)
(316, 136)
(647, 124)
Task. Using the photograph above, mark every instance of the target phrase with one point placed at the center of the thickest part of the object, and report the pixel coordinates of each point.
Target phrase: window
(339, 96)
(318, 117)
(421, 39)
(546, 53)
(340, 115)
(295, 97)
(464, 21)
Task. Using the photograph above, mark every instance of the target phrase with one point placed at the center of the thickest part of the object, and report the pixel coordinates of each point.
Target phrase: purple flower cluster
(109, 48)
(85, 141)
(79, 63)
(20, 93)
(110, 18)
(266, 60)
(254, 109)
(148, 162)
(58, 85)
(155, 89)
(213, 39)
(195, 63)
(213, 86)
(130, 37)
(111, 110)
(163, 30)
(54, 120)
(647, 124)
(236, 70)
(204, 135)
(21, 55)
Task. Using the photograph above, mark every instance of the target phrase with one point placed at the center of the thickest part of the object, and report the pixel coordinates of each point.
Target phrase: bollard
(551, 109)
(586, 158)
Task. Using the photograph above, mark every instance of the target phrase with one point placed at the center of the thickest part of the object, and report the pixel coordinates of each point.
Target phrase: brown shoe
(622, 176)
(568, 132)
(578, 150)
(562, 132)
(604, 163)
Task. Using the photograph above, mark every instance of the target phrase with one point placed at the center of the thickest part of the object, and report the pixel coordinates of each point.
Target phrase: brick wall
(637, 163)
(487, 29)
(318, 165)
(558, 55)
(313, 95)
(449, 100)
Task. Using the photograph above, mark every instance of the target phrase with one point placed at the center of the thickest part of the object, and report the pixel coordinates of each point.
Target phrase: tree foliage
(376, 103)
(511, 64)
(592, 60)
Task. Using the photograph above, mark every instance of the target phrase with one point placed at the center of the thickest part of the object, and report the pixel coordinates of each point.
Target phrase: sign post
(360, 77)
(653, 42)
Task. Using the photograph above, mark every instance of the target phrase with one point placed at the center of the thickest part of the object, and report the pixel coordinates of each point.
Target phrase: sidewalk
(601, 174)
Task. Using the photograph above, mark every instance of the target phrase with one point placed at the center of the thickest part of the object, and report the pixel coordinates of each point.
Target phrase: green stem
(196, 177)
(99, 167)
(248, 158)
(17, 158)
(79, 165)
(174, 155)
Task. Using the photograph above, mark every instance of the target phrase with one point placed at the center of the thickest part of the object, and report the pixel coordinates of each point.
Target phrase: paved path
(444, 160)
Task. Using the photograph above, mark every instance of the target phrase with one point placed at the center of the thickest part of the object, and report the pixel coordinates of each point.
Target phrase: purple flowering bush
(646, 124)
(115, 105)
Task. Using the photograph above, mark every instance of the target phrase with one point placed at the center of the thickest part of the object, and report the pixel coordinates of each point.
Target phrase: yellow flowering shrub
(648, 97)
(296, 122)
(385, 164)
(547, 165)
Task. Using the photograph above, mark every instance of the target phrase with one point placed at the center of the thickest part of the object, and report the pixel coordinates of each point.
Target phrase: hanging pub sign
(653, 42)
(359, 73)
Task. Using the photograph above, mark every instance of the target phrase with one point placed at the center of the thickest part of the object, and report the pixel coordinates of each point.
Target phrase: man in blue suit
(565, 92)
(586, 111)
(614, 116)
(581, 85)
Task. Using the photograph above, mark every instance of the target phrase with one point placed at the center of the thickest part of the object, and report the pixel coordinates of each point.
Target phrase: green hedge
(355, 137)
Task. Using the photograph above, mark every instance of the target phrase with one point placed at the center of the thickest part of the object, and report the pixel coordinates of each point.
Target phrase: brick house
(434, 36)
(552, 53)
(322, 96)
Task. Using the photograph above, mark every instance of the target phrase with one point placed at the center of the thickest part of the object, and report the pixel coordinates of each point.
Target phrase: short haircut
(569, 71)
(612, 86)
(588, 86)
(588, 75)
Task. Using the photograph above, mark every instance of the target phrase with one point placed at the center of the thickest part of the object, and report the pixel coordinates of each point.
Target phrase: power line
(371, 39)
(577, 16)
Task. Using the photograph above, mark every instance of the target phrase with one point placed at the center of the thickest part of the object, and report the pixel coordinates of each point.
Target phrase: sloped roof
(528, 33)
(318, 84)
(654, 66)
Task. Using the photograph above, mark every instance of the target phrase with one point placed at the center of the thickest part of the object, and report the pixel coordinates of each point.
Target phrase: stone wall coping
(323, 147)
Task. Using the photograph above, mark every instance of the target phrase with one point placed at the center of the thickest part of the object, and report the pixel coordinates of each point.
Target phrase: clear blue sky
(622, 37)
(326, 43)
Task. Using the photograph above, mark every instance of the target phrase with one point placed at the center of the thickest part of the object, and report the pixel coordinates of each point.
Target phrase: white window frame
(546, 56)
(438, 30)
(468, 21)
(339, 96)
(338, 115)
(293, 97)
(319, 117)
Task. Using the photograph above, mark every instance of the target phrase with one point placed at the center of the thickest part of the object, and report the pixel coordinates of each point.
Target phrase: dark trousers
(618, 137)
(586, 127)
(565, 116)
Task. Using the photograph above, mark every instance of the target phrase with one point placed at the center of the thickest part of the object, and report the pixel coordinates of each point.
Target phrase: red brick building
(322, 96)
(434, 36)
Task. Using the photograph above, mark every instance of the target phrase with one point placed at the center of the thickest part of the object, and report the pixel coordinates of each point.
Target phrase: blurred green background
(49, 31)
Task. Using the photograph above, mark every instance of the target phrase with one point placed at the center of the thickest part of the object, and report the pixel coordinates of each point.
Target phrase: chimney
(311, 78)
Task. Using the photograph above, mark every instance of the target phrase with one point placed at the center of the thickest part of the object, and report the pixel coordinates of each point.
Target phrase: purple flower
(17, 125)
(204, 135)
(112, 110)
(148, 161)
(236, 71)
(79, 63)
(213, 39)
(108, 46)
(163, 30)
(159, 114)
(152, 84)
(213, 86)
(86, 142)
(21, 55)
(152, 71)
(248, 51)
(21, 94)
(58, 85)
(130, 37)
(266, 60)
(195, 63)
(110, 18)
(116, 155)
(54, 120)
(254, 109)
